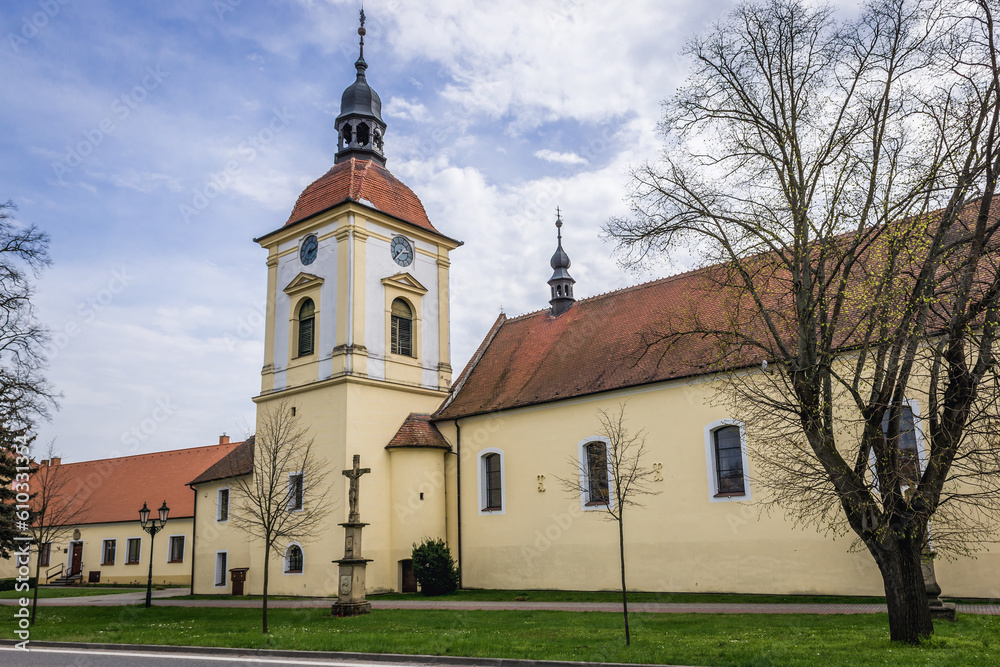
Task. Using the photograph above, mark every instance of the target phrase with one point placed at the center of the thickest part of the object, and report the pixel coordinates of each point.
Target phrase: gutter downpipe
(194, 535)
(458, 484)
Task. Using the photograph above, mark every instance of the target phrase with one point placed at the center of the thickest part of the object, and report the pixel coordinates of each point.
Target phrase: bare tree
(25, 394)
(285, 497)
(624, 473)
(838, 179)
(56, 510)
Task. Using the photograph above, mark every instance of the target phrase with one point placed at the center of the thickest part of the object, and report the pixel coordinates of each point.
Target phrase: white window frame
(289, 495)
(713, 482)
(127, 561)
(104, 547)
(218, 504)
(918, 433)
(183, 549)
(284, 559)
(581, 448)
(225, 570)
(39, 555)
(482, 482)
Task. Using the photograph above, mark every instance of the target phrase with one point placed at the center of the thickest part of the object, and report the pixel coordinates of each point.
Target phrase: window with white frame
(293, 559)
(595, 487)
(220, 567)
(44, 554)
(133, 547)
(726, 459)
(295, 491)
(176, 550)
(108, 552)
(491, 481)
(909, 450)
(222, 505)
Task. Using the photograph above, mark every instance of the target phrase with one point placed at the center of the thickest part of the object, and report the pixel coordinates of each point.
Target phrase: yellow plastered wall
(679, 541)
(92, 536)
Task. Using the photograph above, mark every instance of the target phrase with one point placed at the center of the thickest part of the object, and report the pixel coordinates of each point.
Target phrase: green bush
(8, 584)
(434, 567)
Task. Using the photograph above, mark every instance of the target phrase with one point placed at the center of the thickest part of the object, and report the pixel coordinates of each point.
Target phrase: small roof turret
(360, 128)
(561, 283)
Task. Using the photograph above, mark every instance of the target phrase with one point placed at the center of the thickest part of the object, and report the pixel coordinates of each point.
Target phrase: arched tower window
(307, 327)
(362, 133)
(402, 328)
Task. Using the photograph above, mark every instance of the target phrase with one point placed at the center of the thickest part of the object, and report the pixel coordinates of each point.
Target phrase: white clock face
(401, 250)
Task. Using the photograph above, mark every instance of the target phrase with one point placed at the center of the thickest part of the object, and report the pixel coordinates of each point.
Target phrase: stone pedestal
(939, 609)
(351, 589)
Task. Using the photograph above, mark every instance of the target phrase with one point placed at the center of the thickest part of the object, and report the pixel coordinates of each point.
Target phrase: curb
(325, 655)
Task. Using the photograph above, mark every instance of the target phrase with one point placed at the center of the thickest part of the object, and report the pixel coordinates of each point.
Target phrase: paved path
(648, 607)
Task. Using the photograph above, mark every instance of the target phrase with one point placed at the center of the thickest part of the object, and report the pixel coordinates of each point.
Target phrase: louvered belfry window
(402, 328)
(307, 327)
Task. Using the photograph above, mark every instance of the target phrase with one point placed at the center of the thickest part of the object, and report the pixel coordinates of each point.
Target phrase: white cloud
(560, 158)
(400, 107)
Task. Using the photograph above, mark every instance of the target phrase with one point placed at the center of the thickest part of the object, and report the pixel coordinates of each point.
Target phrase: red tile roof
(599, 344)
(361, 181)
(235, 463)
(418, 431)
(115, 489)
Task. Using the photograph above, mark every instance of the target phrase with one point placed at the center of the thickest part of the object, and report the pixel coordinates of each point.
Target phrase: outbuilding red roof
(599, 344)
(361, 181)
(418, 431)
(112, 490)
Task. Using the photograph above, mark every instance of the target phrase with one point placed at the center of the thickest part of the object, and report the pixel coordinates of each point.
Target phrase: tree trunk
(267, 554)
(905, 594)
(38, 578)
(621, 553)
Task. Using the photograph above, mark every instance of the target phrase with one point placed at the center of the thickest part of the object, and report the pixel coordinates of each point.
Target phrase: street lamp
(152, 527)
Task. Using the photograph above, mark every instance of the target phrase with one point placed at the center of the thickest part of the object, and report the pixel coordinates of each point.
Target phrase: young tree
(839, 180)
(285, 497)
(616, 486)
(56, 509)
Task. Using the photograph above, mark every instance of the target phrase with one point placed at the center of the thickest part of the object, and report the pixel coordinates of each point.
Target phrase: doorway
(409, 580)
(75, 558)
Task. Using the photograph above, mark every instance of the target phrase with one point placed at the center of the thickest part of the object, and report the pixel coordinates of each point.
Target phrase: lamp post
(152, 527)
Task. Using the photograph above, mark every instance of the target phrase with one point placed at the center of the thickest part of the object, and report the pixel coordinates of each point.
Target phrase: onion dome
(561, 283)
(360, 128)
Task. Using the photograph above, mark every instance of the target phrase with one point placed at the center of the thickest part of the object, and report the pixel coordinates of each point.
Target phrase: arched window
(362, 134)
(597, 473)
(492, 482)
(293, 559)
(402, 328)
(307, 327)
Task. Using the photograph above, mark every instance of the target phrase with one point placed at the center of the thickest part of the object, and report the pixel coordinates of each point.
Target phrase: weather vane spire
(559, 224)
(362, 32)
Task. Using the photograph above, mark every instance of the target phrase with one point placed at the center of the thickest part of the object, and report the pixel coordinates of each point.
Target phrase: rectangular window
(176, 549)
(44, 554)
(132, 549)
(220, 568)
(907, 459)
(223, 505)
(597, 473)
(108, 552)
(295, 491)
(729, 461)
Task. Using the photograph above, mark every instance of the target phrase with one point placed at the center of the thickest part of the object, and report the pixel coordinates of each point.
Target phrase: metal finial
(362, 32)
(559, 224)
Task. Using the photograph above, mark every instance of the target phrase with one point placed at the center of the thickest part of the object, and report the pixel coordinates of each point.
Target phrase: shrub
(9, 584)
(434, 567)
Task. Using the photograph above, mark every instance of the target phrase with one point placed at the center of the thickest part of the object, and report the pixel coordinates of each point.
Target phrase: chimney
(223, 439)
(43, 462)
(56, 460)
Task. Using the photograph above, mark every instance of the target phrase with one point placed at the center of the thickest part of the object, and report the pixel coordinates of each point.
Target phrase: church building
(357, 345)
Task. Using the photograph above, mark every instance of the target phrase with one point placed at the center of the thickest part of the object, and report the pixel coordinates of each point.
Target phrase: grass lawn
(478, 595)
(694, 639)
(66, 592)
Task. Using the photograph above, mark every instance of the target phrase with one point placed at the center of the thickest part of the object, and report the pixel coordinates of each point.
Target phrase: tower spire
(561, 283)
(360, 128)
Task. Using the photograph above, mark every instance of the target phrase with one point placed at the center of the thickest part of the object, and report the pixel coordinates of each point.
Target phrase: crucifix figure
(354, 475)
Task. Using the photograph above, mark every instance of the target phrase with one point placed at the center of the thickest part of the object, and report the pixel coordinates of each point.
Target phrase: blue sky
(120, 120)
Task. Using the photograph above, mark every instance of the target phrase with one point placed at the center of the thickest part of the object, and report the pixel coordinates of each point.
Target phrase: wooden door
(409, 579)
(238, 578)
(76, 558)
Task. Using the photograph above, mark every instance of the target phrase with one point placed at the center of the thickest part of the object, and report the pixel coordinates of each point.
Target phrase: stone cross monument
(351, 592)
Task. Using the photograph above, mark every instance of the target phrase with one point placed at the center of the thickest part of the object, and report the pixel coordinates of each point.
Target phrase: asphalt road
(59, 657)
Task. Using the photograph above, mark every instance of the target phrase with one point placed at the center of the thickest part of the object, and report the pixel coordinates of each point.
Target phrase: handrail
(48, 573)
